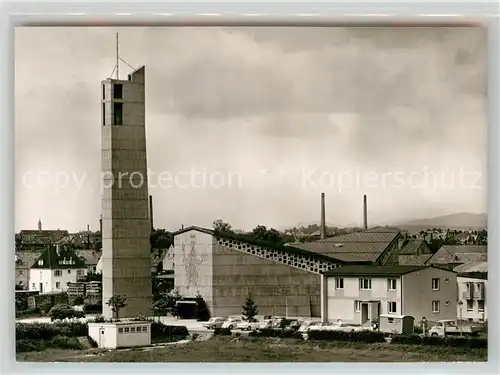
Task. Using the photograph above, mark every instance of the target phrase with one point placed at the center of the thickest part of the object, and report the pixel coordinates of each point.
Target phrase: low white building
(120, 334)
(359, 294)
(54, 269)
(472, 299)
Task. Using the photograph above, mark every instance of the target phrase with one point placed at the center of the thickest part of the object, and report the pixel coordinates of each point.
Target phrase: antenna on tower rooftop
(117, 58)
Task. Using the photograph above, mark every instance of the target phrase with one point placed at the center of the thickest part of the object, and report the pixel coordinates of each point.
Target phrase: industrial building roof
(472, 267)
(373, 271)
(253, 241)
(364, 246)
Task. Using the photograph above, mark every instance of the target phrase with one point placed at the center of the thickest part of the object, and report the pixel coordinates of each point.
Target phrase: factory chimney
(322, 225)
(151, 212)
(365, 213)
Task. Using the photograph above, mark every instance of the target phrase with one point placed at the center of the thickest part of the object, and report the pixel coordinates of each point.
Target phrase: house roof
(413, 259)
(253, 241)
(59, 257)
(26, 259)
(42, 236)
(90, 257)
(373, 271)
(411, 247)
(469, 249)
(364, 246)
(460, 254)
(472, 267)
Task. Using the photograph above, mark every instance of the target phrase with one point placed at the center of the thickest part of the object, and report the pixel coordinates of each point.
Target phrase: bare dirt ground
(244, 349)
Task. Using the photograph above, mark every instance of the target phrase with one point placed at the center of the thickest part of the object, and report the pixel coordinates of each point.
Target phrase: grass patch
(59, 342)
(257, 349)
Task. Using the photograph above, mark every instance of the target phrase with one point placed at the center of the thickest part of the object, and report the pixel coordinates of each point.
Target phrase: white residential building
(52, 271)
(472, 299)
(359, 294)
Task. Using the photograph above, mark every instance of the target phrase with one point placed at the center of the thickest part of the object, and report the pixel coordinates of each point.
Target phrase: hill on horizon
(452, 221)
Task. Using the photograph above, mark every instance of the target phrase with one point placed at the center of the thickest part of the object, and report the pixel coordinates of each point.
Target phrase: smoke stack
(151, 212)
(365, 213)
(322, 228)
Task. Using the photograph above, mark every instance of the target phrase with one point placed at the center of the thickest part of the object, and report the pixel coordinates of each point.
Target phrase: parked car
(214, 323)
(231, 323)
(293, 326)
(307, 324)
(265, 324)
(450, 327)
(248, 325)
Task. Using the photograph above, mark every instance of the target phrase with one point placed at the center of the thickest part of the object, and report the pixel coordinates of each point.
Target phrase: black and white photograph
(251, 194)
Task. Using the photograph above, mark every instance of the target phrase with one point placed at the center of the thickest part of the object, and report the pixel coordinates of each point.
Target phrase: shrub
(356, 336)
(284, 334)
(222, 332)
(64, 311)
(100, 319)
(27, 313)
(45, 307)
(92, 309)
(449, 341)
(78, 301)
(57, 342)
(45, 331)
(92, 342)
(160, 331)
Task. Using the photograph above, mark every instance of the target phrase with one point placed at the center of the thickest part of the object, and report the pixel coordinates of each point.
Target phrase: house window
(127, 329)
(40, 262)
(357, 306)
(391, 284)
(57, 273)
(435, 284)
(467, 286)
(117, 113)
(480, 305)
(390, 320)
(117, 91)
(435, 306)
(103, 92)
(58, 285)
(365, 284)
(21, 273)
(144, 329)
(33, 286)
(69, 272)
(339, 283)
(120, 330)
(470, 305)
(391, 307)
(132, 329)
(79, 272)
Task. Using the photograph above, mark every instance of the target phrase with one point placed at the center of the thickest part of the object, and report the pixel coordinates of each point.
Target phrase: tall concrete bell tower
(126, 227)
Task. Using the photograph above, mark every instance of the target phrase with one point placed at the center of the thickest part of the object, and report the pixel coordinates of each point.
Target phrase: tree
(221, 226)
(249, 309)
(117, 302)
(260, 232)
(161, 239)
(203, 314)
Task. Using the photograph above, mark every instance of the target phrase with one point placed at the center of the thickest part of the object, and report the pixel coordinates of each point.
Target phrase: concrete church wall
(193, 265)
(277, 289)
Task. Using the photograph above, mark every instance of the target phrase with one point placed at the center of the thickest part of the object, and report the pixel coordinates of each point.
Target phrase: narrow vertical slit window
(103, 92)
(103, 114)
(117, 113)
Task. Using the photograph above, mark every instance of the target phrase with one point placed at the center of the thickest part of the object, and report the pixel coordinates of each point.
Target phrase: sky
(250, 125)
